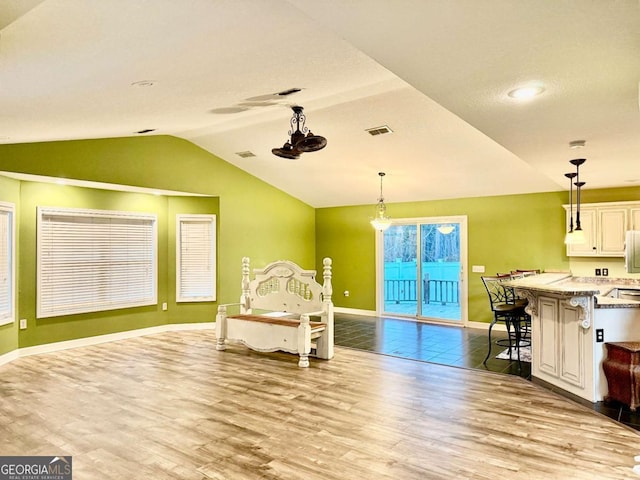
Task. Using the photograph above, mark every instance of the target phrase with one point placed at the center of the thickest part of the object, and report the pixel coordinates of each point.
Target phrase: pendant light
(568, 239)
(578, 233)
(381, 221)
(445, 229)
(575, 236)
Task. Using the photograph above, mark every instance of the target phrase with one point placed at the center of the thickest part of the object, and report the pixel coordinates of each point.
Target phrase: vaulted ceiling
(436, 73)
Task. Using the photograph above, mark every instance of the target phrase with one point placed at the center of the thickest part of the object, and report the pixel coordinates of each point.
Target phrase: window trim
(211, 219)
(10, 210)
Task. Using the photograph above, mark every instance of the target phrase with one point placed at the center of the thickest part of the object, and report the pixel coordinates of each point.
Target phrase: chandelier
(300, 139)
(381, 221)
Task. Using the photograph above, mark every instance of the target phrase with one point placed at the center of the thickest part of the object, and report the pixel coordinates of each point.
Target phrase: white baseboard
(111, 337)
(9, 357)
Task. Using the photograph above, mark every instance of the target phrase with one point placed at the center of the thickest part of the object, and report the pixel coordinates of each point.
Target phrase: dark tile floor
(446, 345)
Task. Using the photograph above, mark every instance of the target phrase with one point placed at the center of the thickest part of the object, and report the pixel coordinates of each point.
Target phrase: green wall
(10, 193)
(504, 233)
(254, 219)
(70, 327)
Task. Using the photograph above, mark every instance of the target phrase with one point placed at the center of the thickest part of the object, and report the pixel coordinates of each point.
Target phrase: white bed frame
(276, 309)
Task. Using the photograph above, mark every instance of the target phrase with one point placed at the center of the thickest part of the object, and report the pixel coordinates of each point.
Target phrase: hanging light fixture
(381, 221)
(569, 236)
(301, 139)
(575, 236)
(445, 228)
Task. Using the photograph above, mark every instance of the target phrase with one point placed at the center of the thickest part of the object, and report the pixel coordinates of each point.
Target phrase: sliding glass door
(421, 269)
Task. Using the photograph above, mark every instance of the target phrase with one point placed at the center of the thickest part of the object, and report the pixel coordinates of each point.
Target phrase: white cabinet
(604, 226)
(562, 345)
(612, 223)
(634, 218)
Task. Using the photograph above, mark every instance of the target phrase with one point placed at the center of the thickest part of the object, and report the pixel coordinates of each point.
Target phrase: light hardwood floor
(169, 406)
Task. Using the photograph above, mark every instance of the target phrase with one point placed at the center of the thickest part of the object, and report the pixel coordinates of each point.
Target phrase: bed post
(304, 340)
(325, 342)
(245, 298)
(221, 327)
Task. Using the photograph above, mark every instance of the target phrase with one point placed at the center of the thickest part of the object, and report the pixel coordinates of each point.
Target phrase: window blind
(94, 260)
(7, 271)
(196, 258)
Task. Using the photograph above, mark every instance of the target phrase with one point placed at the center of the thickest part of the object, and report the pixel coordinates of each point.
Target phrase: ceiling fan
(301, 139)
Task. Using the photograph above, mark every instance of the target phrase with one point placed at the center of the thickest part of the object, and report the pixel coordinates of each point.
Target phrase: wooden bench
(276, 309)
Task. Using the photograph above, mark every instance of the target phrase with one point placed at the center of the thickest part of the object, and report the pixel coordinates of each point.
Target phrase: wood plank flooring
(169, 406)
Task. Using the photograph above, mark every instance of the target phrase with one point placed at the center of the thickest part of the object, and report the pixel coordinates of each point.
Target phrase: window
(94, 260)
(7, 263)
(196, 258)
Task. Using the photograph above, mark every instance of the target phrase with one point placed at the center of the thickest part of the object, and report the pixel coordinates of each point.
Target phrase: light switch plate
(477, 268)
(23, 324)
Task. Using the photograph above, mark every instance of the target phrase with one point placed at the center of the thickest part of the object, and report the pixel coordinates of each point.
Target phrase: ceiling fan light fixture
(301, 139)
(287, 151)
(311, 143)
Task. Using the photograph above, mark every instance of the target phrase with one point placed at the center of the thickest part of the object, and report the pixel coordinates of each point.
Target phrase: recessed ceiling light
(527, 92)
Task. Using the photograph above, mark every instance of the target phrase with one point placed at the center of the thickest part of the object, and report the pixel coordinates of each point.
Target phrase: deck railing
(444, 292)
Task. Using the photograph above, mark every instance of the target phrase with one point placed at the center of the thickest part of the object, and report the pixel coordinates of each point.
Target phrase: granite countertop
(567, 285)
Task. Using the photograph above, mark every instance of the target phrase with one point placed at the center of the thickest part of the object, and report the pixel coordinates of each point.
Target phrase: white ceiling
(437, 73)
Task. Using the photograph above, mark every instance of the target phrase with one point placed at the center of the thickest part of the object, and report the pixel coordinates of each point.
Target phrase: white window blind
(94, 260)
(7, 264)
(196, 258)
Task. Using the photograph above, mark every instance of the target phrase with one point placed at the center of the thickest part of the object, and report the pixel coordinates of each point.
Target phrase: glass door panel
(401, 291)
(441, 273)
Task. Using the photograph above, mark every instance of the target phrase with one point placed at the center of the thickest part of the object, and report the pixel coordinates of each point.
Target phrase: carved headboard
(283, 286)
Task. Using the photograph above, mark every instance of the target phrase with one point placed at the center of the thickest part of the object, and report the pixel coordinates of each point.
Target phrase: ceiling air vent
(379, 130)
(246, 154)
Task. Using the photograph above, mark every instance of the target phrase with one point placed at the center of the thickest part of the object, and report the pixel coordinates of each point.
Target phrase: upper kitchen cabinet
(634, 218)
(604, 226)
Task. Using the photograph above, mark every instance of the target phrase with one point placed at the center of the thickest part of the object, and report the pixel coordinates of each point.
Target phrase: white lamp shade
(381, 223)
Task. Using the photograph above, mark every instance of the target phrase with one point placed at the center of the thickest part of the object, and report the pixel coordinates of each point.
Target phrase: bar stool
(507, 309)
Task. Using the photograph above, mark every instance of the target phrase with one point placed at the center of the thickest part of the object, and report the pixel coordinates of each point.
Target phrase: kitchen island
(571, 320)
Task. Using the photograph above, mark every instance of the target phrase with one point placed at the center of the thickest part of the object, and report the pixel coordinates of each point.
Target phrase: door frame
(462, 220)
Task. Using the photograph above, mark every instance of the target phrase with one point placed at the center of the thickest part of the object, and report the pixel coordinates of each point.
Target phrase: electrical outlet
(164, 306)
(605, 272)
(598, 272)
(599, 335)
(23, 324)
